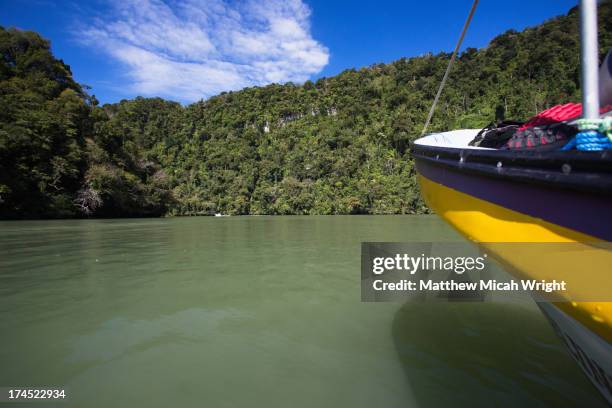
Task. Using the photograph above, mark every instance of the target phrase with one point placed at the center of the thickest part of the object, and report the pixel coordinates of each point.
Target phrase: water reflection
(253, 311)
(486, 354)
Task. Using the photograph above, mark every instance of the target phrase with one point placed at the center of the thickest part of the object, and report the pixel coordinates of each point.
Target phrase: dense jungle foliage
(335, 146)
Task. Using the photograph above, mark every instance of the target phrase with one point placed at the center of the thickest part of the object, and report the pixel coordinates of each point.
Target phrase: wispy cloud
(192, 49)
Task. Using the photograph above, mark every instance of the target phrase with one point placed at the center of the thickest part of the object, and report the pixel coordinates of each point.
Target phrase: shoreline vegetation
(338, 145)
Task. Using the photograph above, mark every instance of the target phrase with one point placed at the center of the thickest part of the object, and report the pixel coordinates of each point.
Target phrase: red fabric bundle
(559, 113)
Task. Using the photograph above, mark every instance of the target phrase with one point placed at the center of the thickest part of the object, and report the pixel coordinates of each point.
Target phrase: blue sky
(186, 50)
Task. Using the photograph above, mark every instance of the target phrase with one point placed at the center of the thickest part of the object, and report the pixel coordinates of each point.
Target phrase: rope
(594, 135)
(450, 63)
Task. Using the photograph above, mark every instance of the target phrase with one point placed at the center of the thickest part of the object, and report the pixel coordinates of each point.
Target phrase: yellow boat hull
(586, 327)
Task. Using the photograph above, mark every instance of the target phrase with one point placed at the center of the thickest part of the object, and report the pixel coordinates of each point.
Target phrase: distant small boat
(221, 215)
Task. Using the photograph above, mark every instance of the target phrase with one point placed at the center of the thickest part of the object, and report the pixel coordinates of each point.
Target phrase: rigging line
(448, 68)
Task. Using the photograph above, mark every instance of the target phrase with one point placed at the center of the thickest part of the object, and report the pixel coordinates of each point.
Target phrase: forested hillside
(334, 146)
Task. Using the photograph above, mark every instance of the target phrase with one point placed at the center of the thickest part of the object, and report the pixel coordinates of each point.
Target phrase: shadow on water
(486, 354)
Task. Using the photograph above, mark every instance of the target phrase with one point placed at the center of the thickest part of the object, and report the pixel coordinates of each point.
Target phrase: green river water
(256, 312)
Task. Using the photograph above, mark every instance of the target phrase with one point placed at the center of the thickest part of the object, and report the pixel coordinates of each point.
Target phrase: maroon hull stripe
(588, 213)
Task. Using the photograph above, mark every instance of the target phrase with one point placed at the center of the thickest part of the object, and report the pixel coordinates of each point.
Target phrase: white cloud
(192, 49)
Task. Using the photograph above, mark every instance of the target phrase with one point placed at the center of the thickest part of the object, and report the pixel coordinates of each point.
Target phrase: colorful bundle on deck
(555, 128)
